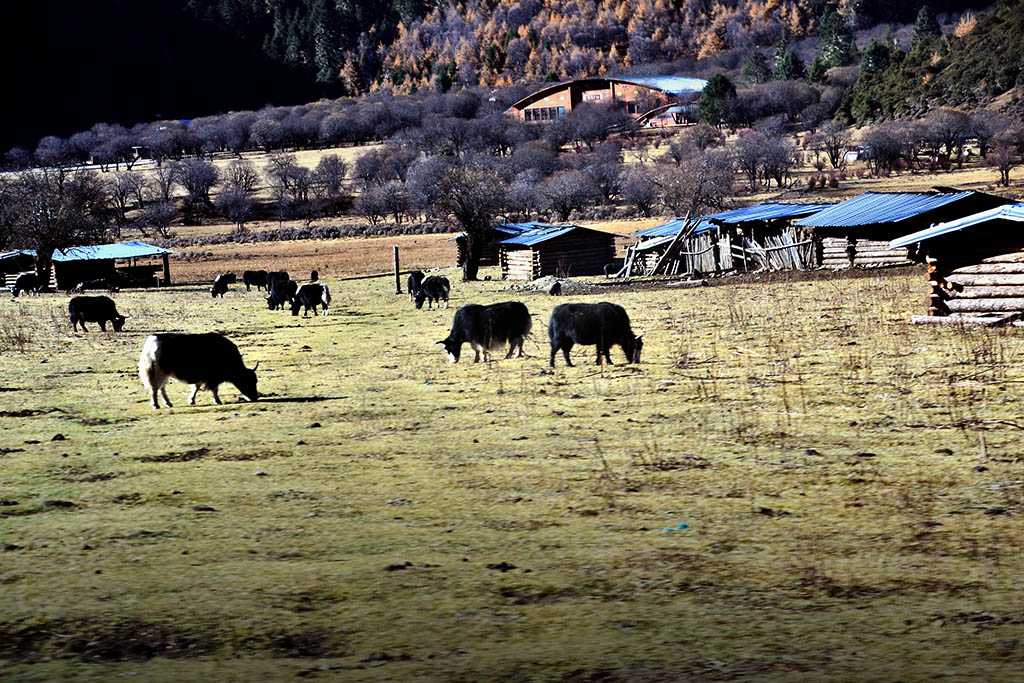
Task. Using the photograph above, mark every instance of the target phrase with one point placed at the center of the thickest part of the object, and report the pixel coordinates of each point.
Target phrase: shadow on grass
(299, 399)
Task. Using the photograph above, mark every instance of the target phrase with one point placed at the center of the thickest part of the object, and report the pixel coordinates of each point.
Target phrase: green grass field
(852, 485)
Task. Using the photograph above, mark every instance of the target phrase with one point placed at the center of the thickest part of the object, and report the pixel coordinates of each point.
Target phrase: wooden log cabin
(697, 249)
(975, 267)
(560, 250)
(858, 232)
(490, 251)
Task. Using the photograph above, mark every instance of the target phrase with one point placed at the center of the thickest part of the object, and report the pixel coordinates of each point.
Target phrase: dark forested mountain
(71, 64)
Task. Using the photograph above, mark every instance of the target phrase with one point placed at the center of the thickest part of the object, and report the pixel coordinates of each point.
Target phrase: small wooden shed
(858, 231)
(975, 266)
(490, 252)
(696, 249)
(561, 250)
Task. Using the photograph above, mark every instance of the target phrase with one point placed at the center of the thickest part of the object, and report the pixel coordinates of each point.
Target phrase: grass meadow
(851, 489)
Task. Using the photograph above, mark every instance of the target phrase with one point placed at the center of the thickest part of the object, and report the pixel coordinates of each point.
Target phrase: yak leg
(103, 325)
(216, 398)
(192, 396)
(163, 391)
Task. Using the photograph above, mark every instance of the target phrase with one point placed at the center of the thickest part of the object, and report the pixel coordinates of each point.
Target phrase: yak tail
(327, 293)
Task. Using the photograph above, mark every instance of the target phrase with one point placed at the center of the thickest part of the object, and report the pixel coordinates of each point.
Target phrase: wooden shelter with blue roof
(858, 231)
(490, 249)
(117, 262)
(560, 250)
(975, 266)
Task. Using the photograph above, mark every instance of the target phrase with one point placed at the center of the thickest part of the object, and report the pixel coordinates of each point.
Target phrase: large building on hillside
(654, 100)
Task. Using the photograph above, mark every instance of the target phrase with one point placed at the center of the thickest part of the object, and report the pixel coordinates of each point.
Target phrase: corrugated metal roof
(100, 252)
(872, 208)
(673, 84)
(766, 211)
(1010, 212)
(549, 232)
(510, 229)
(673, 226)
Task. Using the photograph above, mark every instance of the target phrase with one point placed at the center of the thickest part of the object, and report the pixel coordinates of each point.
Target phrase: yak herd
(206, 361)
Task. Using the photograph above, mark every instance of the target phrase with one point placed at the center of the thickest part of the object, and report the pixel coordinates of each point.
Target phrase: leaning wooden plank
(964, 319)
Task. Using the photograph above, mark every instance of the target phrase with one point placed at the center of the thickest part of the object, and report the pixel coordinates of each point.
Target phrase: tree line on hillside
(459, 166)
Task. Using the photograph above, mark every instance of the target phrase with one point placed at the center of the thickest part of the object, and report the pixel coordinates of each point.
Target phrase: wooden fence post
(398, 277)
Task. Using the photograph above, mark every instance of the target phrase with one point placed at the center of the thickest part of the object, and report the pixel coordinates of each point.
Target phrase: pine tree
(835, 37)
(874, 58)
(790, 67)
(925, 28)
(715, 99)
(816, 74)
(756, 69)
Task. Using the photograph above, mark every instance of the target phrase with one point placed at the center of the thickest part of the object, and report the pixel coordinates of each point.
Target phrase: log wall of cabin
(844, 252)
(569, 256)
(961, 284)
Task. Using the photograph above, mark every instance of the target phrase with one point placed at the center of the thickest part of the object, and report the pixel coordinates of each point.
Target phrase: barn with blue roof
(858, 231)
(560, 250)
(975, 266)
(489, 249)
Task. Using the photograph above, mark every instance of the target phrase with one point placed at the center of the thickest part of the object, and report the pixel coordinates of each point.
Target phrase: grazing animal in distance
(310, 296)
(254, 278)
(99, 283)
(488, 328)
(281, 292)
(94, 309)
(432, 290)
(27, 282)
(413, 284)
(203, 360)
(314, 276)
(276, 275)
(220, 285)
(601, 324)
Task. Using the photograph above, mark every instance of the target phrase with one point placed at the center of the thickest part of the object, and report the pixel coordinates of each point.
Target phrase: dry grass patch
(851, 484)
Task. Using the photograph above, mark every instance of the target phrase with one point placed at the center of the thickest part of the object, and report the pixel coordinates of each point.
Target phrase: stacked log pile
(994, 284)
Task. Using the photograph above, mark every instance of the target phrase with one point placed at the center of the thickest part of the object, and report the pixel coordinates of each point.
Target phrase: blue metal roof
(101, 252)
(872, 208)
(673, 226)
(511, 229)
(1010, 212)
(548, 232)
(673, 84)
(766, 211)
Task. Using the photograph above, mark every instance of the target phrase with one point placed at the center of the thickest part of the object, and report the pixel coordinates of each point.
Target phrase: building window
(544, 114)
(528, 115)
(592, 97)
(561, 112)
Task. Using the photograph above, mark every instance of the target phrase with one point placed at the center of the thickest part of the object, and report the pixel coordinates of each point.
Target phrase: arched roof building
(653, 100)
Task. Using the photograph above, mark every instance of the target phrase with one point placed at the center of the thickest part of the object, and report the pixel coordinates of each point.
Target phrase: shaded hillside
(72, 64)
(983, 60)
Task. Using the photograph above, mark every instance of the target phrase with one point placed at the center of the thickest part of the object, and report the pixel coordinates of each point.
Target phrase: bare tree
(946, 130)
(370, 204)
(748, 153)
(606, 177)
(832, 139)
(235, 203)
(1003, 158)
(639, 189)
(56, 210)
(700, 183)
(567, 191)
(779, 159)
(159, 215)
(473, 197)
(241, 174)
(523, 199)
(329, 175)
(985, 125)
(198, 178)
